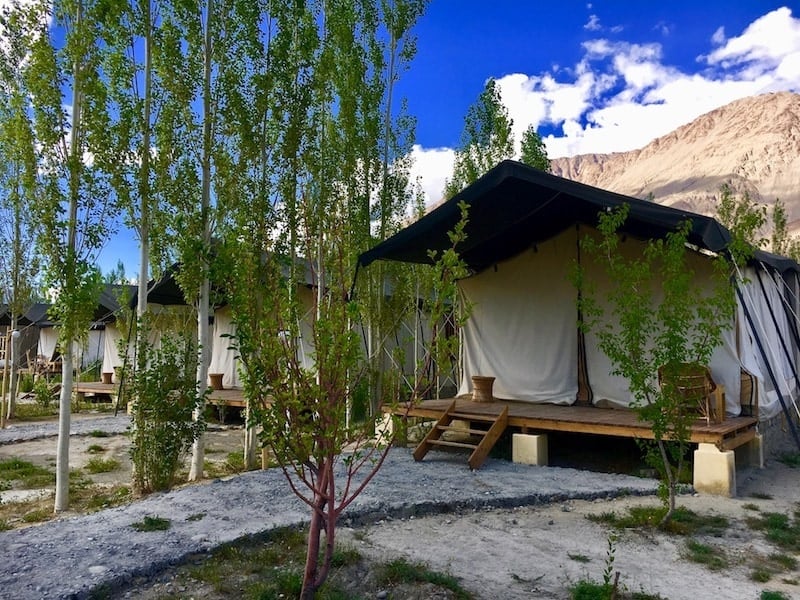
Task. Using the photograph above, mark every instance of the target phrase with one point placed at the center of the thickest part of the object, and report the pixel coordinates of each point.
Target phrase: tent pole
(124, 366)
(791, 315)
(777, 328)
(769, 367)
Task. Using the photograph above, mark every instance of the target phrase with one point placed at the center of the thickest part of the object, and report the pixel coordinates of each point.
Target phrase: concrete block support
(751, 454)
(384, 430)
(529, 449)
(714, 470)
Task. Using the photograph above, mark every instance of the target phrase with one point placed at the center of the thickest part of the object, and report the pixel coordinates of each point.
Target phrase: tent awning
(514, 206)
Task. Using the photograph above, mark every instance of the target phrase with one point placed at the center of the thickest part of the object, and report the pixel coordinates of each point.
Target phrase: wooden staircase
(485, 439)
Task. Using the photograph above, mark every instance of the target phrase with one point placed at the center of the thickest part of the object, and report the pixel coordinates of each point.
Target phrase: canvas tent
(522, 239)
(165, 292)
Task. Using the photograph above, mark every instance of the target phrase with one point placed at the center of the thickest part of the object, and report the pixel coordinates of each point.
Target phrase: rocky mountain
(753, 144)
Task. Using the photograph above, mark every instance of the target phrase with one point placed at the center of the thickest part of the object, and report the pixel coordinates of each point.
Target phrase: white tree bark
(62, 452)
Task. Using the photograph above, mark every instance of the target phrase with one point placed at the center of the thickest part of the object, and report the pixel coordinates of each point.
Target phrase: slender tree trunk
(323, 521)
(198, 447)
(250, 439)
(203, 308)
(144, 183)
(71, 267)
(671, 482)
(12, 351)
(62, 452)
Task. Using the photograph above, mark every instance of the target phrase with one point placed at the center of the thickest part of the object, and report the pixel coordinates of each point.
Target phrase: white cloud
(593, 24)
(766, 42)
(620, 95)
(432, 167)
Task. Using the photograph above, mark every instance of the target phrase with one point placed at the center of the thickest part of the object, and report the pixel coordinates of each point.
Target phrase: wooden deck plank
(228, 397)
(728, 434)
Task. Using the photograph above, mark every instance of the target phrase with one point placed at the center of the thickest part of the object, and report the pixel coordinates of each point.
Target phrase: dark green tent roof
(515, 206)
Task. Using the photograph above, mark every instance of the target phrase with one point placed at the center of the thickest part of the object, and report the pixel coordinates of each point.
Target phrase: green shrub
(42, 393)
(152, 524)
(101, 465)
(26, 383)
(163, 393)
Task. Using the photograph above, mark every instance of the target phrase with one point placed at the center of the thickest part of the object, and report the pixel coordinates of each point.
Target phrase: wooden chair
(695, 384)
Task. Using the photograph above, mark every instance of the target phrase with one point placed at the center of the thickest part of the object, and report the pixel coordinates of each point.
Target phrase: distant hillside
(753, 143)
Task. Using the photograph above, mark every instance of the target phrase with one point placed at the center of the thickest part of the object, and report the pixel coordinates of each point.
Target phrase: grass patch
(761, 576)
(25, 474)
(152, 524)
(196, 517)
(271, 567)
(99, 500)
(769, 595)
(778, 529)
(101, 465)
(345, 556)
(401, 571)
(235, 462)
(683, 522)
(581, 558)
(791, 459)
(35, 411)
(789, 563)
(37, 516)
(232, 465)
(97, 433)
(751, 506)
(592, 590)
(761, 496)
(4, 525)
(712, 558)
(95, 449)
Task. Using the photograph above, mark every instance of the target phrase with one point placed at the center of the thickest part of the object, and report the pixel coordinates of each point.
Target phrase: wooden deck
(108, 391)
(96, 390)
(228, 397)
(529, 418)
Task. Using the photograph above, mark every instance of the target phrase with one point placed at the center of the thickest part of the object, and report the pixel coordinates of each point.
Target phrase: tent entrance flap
(768, 366)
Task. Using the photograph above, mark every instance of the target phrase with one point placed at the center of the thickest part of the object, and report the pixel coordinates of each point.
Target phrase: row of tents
(39, 332)
(522, 240)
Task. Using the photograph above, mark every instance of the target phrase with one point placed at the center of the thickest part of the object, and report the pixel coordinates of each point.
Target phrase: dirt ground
(221, 440)
(528, 552)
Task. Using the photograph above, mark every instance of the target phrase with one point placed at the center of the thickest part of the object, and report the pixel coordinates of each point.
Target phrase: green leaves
(485, 140)
(658, 311)
(533, 151)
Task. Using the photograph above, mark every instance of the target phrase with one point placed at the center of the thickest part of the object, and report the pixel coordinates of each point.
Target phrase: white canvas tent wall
(165, 295)
(524, 333)
(521, 240)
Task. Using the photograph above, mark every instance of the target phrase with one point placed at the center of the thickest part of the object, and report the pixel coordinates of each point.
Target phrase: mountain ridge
(752, 144)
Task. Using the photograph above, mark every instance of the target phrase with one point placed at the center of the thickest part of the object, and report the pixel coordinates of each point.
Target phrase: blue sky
(593, 77)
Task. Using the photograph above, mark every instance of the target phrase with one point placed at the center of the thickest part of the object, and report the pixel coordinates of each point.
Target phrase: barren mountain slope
(753, 143)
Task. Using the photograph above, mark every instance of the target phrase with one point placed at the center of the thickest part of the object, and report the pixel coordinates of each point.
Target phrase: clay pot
(482, 388)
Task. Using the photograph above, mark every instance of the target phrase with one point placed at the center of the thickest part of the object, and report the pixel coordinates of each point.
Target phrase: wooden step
(453, 444)
(480, 432)
(461, 416)
(480, 453)
(486, 439)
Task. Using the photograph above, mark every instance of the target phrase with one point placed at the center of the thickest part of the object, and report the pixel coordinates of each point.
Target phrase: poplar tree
(74, 208)
(19, 184)
(324, 107)
(533, 152)
(131, 32)
(485, 141)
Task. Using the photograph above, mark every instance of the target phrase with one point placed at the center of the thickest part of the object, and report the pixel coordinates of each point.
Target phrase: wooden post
(4, 353)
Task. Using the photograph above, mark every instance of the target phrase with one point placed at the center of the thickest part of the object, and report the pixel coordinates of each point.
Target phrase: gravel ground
(71, 556)
(79, 425)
